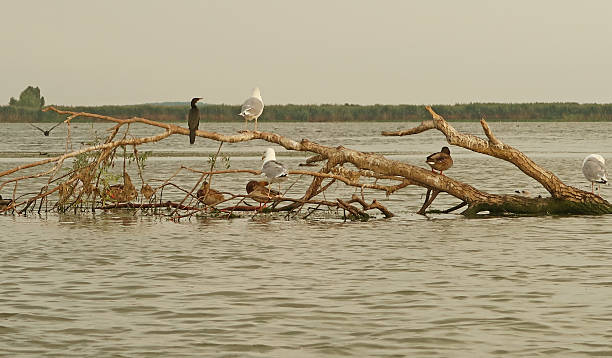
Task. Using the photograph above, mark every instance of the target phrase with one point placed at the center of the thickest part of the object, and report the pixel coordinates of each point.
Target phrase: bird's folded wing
(274, 169)
(253, 105)
(593, 170)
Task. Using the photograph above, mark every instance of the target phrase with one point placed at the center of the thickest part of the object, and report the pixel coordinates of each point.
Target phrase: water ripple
(119, 285)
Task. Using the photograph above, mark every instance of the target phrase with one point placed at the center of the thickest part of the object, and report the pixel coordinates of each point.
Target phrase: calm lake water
(116, 284)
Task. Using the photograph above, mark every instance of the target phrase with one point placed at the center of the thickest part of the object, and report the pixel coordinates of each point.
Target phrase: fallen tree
(84, 186)
(564, 199)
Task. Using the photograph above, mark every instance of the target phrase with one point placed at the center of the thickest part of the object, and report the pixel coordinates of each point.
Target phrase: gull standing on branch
(252, 108)
(272, 169)
(594, 170)
(194, 119)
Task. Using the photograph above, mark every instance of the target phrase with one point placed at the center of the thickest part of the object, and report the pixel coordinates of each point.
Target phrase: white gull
(252, 108)
(594, 169)
(274, 170)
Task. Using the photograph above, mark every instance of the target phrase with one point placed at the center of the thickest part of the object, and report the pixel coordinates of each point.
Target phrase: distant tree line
(336, 113)
(27, 109)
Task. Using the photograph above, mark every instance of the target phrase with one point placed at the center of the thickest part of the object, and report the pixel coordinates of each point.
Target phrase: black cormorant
(194, 119)
(46, 132)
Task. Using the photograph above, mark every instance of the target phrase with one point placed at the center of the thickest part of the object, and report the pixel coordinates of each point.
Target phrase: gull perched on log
(594, 170)
(275, 171)
(252, 108)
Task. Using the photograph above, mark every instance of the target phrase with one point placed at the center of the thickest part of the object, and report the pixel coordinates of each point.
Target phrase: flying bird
(440, 161)
(194, 119)
(273, 170)
(594, 170)
(46, 132)
(252, 108)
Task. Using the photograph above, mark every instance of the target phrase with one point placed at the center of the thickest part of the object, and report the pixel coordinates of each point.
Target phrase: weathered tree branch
(564, 198)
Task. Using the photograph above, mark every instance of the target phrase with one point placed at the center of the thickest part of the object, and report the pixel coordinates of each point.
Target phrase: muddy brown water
(115, 284)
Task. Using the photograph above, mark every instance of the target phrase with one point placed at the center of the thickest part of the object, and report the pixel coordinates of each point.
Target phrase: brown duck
(440, 161)
(4, 203)
(209, 196)
(259, 192)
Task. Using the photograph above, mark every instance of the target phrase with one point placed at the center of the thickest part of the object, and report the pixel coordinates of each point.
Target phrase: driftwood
(564, 199)
(83, 185)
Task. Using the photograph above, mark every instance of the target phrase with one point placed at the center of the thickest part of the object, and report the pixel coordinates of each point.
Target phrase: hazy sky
(316, 51)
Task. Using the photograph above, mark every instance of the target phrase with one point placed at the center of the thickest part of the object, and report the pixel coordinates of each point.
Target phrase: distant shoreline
(516, 112)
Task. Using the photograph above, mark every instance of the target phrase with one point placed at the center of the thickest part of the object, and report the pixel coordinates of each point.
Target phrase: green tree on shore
(29, 97)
